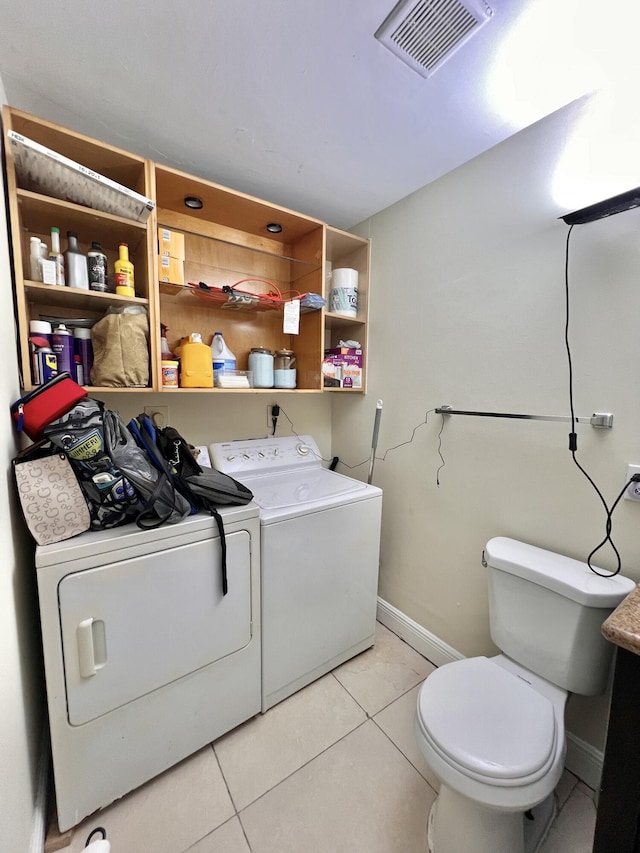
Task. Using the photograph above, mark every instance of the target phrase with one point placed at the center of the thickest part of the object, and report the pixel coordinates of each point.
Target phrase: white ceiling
(294, 100)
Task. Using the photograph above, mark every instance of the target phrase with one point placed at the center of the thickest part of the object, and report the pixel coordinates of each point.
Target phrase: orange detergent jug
(196, 368)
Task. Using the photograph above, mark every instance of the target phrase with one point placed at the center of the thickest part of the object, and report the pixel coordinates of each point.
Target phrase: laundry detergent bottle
(222, 357)
(195, 364)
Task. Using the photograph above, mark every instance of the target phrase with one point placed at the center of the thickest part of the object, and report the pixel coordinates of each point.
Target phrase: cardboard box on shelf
(354, 356)
(342, 368)
(170, 243)
(170, 269)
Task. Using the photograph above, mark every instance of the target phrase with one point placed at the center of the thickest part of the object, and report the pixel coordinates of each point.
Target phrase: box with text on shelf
(342, 368)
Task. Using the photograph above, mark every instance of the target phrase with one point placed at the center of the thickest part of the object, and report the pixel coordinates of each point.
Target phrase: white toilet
(492, 729)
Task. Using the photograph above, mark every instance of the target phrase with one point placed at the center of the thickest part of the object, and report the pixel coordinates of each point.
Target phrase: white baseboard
(423, 641)
(583, 759)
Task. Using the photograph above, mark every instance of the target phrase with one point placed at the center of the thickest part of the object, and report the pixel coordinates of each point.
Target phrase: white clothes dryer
(319, 544)
(146, 660)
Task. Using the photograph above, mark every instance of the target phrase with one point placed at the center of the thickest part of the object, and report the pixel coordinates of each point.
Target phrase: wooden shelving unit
(33, 213)
(226, 243)
(347, 250)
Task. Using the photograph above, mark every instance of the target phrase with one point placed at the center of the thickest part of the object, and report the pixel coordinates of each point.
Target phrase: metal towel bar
(599, 419)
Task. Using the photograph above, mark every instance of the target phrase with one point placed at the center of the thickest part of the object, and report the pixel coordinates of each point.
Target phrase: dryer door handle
(92, 656)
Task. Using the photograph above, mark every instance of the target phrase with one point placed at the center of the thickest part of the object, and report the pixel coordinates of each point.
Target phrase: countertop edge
(622, 627)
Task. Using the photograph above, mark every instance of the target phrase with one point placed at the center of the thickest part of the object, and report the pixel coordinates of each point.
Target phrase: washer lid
(490, 722)
(297, 488)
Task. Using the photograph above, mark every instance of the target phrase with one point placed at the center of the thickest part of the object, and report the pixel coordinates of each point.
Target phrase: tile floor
(332, 769)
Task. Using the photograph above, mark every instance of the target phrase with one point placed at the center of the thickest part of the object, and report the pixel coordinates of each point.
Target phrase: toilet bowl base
(457, 824)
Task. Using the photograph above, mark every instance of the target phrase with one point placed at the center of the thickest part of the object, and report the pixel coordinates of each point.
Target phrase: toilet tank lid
(571, 578)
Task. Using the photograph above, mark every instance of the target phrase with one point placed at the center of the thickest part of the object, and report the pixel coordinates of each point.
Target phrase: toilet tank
(546, 613)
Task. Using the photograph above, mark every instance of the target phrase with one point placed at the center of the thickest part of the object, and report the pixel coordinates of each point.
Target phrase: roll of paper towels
(343, 296)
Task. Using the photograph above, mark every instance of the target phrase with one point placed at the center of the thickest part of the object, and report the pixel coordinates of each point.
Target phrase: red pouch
(46, 403)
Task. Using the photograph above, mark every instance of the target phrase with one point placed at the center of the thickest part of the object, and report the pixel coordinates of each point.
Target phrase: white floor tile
(572, 831)
(168, 814)
(360, 795)
(228, 838)
(268, 748)
(396, 721)
(382, 674)
(312, 775)
(589, 792)
(565, 787)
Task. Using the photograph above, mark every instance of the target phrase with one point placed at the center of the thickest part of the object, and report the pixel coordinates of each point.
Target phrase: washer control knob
(231, 457)
(246, 456)
(260, 454)
(303, 449)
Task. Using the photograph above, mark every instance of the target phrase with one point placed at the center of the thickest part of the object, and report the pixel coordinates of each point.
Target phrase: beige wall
(21, 694)
(202, 419)
(467, 309)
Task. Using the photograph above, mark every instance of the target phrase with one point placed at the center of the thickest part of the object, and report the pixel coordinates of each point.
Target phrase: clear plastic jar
(284, 370)
(261, 365)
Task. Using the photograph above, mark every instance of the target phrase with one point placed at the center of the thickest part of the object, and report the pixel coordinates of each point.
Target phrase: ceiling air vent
(425, 33)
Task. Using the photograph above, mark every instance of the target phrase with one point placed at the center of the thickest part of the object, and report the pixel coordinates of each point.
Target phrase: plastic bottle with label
(75, 264)
(125, 285)
(34, 259)
(165, 352)
(195, 364)
(222, 357)
(57, 257)
(47, 267)
(97, 268)
(62, 345)
(83, 352)
(44, 364)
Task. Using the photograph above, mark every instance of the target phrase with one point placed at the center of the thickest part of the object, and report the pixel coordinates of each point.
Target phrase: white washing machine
(145, 660)
(320, 544)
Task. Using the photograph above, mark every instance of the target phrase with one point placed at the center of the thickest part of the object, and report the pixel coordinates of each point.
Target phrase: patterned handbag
(52, 501)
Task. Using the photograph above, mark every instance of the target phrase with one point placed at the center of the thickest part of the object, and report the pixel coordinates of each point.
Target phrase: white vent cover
(425, 33)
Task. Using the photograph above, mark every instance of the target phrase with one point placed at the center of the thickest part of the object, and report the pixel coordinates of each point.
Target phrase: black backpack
(81, 434)
(204, 489)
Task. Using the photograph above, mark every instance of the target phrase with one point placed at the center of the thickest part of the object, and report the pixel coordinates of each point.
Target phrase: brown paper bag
(121, 351)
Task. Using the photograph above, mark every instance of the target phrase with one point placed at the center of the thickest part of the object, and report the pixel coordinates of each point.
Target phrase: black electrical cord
(573, 436)
(97, 829)
(334, 461)
(275, 412)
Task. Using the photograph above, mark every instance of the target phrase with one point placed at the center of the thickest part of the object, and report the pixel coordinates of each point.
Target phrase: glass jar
(261, 365)
(284, 370)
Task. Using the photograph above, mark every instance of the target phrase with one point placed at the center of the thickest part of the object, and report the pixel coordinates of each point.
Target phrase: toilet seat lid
(488, 721)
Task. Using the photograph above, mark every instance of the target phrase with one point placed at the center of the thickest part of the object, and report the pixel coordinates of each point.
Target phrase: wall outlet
(160, 416)
(269, 418)
(632, 492)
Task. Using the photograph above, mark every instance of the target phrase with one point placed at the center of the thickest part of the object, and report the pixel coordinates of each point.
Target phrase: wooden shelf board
(39, 213)
(334, 321)
(240, 391)
(71, 297)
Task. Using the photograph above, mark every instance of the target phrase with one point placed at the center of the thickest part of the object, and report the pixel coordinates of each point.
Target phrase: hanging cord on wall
(441, 466)
(573, 437)
(389, 449)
